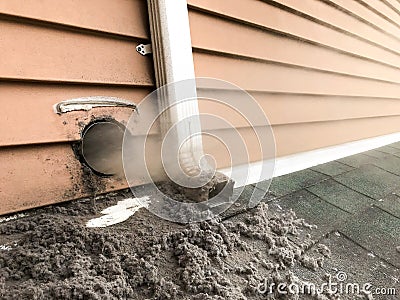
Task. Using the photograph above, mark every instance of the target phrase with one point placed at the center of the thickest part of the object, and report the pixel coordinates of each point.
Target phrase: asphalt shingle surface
(341, 196)
(376, 153)
(287, 184)
(357, 160)
(370, 180)
(355, 202)
(359, 266)
(377, 231)
(313, 210)
(332, 168)
(394, 145)
(388, 149)
(390, 163)
(391, 204)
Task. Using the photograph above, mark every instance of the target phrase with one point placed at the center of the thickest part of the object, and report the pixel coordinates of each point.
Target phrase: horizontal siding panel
(27, 115)
(323, 76)
(40, 53)
(343, 21)
(34, 176)
(383, 9)
(37, 175)
(261, 76)
(291, 109)
(367, 15)
(297, 138)
(244, 147)
(255, 12)
(394, 4)
(117, 16)
(256, 43)
(284, 109)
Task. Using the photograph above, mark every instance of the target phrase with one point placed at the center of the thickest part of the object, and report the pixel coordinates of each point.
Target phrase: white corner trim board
(296, 162)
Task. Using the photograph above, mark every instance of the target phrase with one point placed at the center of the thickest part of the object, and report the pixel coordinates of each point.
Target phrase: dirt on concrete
(50, 254)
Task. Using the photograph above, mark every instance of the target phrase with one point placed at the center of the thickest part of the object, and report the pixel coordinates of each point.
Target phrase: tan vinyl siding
(36, 175)
(55, 55)
(382, 9)
(332, 17)
(362, 13)
(30, 119)
(43, 174)
(325, 72)
(53, 51)
(393, 4)
(279, 48)
(305, 136)
(320, 107)
(117, 17)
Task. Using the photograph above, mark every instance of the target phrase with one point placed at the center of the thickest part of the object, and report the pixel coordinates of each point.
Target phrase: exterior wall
(53, 51)
(326, 72)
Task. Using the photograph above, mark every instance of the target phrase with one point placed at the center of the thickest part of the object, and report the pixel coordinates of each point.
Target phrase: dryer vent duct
(101, 147)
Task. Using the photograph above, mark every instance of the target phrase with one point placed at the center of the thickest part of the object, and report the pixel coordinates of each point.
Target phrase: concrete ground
(355, 202)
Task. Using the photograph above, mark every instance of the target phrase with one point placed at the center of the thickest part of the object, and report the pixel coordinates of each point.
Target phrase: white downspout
(173, 62)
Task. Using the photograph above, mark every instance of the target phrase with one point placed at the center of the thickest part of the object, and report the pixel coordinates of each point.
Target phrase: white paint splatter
(119, 213)
(13, 217)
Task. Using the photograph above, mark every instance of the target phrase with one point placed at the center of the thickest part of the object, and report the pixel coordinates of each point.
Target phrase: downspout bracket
(144, 49)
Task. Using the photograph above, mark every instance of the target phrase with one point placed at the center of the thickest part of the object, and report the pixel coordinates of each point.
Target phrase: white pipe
(173, 62)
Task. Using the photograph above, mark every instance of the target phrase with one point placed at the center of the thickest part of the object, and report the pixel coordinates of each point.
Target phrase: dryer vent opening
(101, 147)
